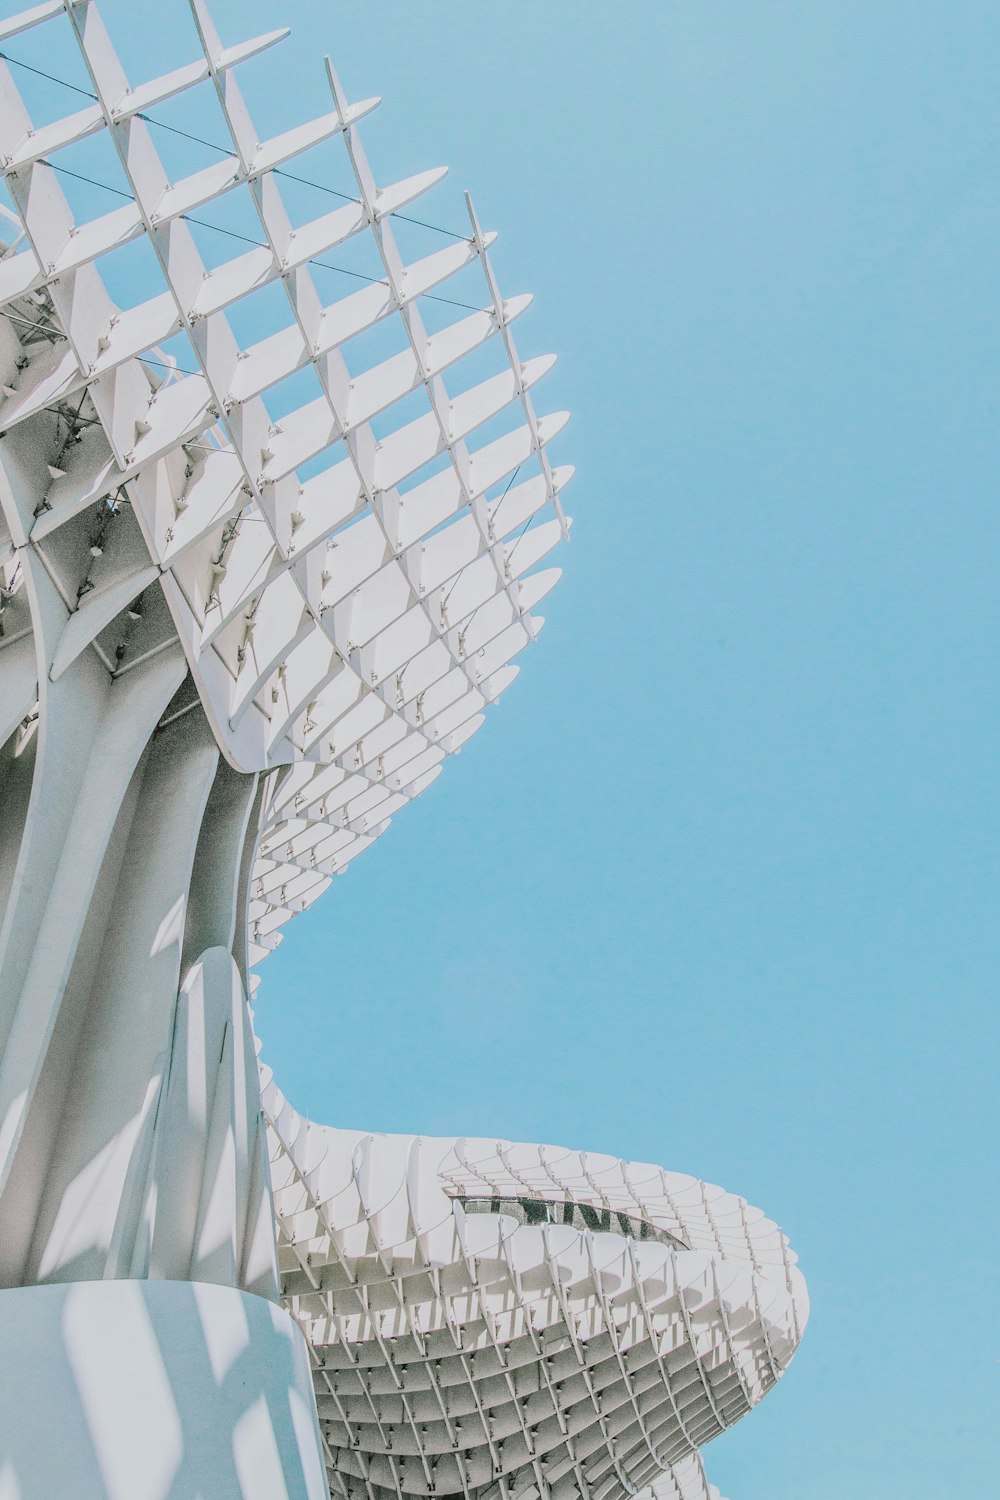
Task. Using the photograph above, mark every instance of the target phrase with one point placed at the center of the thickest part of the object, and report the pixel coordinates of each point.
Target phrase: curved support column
(130, 1126)
(207, 1200)
(92, 733)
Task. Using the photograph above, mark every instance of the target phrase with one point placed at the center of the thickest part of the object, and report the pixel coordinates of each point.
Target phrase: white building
(254, 591)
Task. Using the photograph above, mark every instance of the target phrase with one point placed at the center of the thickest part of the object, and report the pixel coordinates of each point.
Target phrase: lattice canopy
(341, 517)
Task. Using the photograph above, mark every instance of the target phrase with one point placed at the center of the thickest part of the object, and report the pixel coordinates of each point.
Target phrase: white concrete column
(154, 1390)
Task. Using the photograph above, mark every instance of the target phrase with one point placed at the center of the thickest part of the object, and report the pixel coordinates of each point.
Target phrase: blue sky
(717, 885)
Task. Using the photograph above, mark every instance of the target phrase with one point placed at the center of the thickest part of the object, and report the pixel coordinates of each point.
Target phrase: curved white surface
(460, 1349)
(154, 1390)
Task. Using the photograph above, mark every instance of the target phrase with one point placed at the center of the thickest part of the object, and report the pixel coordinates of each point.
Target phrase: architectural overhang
(474, 1353)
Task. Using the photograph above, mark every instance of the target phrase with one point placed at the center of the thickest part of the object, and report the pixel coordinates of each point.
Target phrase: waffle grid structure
(348, 602)
(265, 559)
(476, 1354)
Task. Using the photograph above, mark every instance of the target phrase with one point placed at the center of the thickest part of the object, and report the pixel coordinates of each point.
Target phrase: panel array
(346, 542)
(462, 1353)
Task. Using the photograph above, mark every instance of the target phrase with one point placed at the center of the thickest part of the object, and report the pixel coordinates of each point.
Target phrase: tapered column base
(154, 1390)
